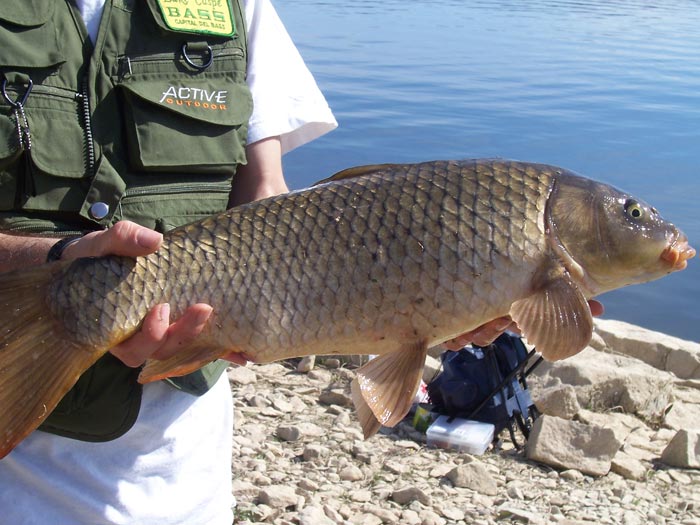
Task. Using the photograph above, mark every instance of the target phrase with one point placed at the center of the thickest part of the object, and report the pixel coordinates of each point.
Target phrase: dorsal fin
(357, 171)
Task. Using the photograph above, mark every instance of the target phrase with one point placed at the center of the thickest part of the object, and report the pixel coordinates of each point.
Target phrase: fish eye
(633, 209)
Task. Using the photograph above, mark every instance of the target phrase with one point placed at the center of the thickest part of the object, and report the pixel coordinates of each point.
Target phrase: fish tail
(38, 361)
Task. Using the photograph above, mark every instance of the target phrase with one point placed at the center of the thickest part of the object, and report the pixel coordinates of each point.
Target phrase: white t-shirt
(173, 466)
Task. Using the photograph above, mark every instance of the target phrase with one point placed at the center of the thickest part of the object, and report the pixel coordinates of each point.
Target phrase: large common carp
(387, 260)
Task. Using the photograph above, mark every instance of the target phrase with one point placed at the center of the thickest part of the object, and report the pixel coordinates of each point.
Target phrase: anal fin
(384, 388)
(190, 358)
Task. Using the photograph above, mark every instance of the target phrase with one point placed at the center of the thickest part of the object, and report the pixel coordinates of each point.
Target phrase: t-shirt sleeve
(286, 99)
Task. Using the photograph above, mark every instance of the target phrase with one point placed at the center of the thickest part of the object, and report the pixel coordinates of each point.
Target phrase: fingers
(139, 347)
(124, 238)
(184, 330)
(596, 307)
(158, 339)
(482, 336)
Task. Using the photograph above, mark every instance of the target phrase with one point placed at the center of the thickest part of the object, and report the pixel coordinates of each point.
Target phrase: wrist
(56, 251)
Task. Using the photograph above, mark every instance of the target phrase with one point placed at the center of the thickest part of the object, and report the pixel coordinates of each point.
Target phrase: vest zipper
(84, 100)
(53, 91)
(175, 188)
(42, 229)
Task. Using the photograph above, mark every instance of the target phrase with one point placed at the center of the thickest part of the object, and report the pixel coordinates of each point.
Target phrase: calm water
(609, 89)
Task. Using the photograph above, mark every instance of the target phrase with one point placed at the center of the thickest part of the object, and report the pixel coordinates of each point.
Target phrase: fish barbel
(387, 260)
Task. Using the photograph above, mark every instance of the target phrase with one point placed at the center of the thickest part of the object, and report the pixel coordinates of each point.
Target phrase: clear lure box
(465, 435)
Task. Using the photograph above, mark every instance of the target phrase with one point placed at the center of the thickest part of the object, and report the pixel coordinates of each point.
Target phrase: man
(121, 120)
(165, 131)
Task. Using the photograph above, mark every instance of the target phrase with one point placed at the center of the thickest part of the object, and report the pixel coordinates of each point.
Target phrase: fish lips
(677, 253)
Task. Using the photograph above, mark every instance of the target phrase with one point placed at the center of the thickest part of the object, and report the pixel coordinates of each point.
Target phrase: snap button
(99, 210)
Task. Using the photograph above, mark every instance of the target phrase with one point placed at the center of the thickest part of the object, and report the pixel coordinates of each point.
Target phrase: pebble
(278, 496)
(242, 375)
(361, 496)
(314, 452)
(335, 397)
(571, 475)
(314, 516)
(351, 473)
(628, 467)
(407, 495)
(332, 363)
(306, 364)
(473, 476)
(452, 513)
(288, 433)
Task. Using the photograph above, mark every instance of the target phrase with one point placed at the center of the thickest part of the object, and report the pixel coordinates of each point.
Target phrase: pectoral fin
(384, 388)
(556, 319)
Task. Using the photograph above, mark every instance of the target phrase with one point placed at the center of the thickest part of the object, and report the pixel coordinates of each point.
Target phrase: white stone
(628, 467)
(241, 375)
(560, 401)
(452, 513)
(335, 397)
(288, 433)
(351, 473)
(571, 475)
(659, 350)
(683, 451)
(314, 452)
(607, 381)
(683, 416)
(365, 519)
(474, 476)
(311, 515)
(278, 496)
(621, 424)
(569, 444)
(306, 364)
(508, 511)
(406, 495)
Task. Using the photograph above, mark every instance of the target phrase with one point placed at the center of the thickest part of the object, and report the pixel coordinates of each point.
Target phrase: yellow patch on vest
(198, 16)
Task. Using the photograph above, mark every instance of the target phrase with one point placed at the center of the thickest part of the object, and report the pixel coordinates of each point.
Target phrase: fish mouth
(678, 253)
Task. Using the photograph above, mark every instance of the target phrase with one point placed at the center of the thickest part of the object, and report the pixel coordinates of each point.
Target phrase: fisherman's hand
(158, 338)
(488, 332)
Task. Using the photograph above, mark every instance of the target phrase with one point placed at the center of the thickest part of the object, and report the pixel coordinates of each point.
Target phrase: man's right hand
(157, 338)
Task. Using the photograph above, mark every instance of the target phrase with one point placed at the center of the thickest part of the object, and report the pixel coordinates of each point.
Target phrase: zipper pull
(25, 185)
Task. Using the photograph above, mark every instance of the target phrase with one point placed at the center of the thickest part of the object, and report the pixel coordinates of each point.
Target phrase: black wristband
(57, 249)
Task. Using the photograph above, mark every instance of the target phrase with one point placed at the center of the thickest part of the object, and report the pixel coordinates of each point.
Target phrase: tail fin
(38, 361)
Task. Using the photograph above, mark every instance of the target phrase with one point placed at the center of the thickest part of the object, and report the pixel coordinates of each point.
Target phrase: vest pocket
(189, 126)
(28, 39)
(55, 133)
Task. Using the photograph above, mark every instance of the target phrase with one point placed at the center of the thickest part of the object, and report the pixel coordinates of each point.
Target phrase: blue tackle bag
(487, 384)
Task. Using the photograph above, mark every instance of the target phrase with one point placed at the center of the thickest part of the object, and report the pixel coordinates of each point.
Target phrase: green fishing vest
(148, 124)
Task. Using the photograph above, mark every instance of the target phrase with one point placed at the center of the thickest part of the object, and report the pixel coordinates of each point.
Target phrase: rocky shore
(618, 444)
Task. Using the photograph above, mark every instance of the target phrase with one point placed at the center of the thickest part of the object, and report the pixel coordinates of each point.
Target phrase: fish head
(609, 238)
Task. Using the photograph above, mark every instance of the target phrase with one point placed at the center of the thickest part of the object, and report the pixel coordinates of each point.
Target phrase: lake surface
(609, 89)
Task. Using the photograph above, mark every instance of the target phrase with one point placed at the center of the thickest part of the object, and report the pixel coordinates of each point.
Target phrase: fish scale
(392, 252)
(385, 260)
